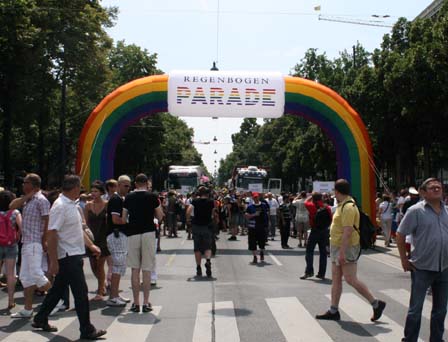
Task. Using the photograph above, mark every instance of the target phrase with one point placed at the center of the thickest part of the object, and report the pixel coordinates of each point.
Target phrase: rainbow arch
(146, 96)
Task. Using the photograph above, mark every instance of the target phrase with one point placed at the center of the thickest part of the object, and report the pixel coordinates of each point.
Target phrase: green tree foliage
(57, 63)
(400, 90)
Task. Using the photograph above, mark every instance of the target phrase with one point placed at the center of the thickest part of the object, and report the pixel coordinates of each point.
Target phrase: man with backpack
(344, 251)
(320, 220)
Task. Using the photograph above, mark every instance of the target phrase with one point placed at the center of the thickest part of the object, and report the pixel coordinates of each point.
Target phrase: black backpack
(322, 219)
(366, 229)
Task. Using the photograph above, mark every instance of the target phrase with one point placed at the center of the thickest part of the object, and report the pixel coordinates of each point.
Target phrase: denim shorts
(9, 252)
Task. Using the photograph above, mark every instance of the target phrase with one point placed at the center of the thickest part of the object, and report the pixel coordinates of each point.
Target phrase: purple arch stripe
(119, 129)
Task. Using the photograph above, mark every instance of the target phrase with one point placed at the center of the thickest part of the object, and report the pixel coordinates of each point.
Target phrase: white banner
(323, 187)
(255, 187)
(226, 94)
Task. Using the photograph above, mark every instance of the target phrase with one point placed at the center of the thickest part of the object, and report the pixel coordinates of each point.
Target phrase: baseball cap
(255, 194)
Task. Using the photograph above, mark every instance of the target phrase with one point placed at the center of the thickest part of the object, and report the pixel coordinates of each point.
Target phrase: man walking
(320, 220)
(200, 214)
(257, 216)
(273, 207)
(66, 247)
(344, 252)
(36, 209)
(141, 207)
(117, 241)
(427, 223)
(285, 221)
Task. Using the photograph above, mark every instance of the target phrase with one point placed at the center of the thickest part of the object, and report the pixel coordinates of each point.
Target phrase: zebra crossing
(219, 321)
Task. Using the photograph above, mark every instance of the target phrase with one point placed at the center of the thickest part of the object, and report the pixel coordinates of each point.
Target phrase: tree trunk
(427, 161)
(8, 109)
(62, 124)
(398, 181)
(40, 146)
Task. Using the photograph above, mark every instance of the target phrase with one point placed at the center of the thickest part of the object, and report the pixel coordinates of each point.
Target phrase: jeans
(421, 280)
(321, 239)
(273, 224)
(71, 274)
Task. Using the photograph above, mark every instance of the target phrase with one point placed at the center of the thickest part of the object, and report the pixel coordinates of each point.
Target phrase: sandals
(97, 298)
(44, 326)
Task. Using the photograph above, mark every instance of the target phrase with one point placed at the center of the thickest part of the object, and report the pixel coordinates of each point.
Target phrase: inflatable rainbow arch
(313, 101)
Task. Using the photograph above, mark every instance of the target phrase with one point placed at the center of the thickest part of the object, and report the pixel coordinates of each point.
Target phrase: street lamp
(214, 67)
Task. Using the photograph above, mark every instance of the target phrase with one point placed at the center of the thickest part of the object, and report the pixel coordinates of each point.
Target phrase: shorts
(9, 252)
(302, 219)
(142, 251)
(256, 236)
(234, 221)
(202, 238)
(351, 254)
(31, 272)
(118, 248)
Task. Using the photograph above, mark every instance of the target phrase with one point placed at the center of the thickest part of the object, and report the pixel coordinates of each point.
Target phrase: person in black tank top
(200, 214)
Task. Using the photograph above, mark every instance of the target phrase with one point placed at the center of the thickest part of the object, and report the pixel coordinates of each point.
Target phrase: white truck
(254, 178)
(185, 179)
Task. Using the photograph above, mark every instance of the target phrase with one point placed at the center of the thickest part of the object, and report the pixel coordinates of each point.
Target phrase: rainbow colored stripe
(313, 101)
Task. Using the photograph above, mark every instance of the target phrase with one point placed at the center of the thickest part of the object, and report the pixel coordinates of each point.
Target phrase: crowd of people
(119, 224)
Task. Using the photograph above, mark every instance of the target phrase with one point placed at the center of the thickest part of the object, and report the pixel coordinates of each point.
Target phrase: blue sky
(256, 35)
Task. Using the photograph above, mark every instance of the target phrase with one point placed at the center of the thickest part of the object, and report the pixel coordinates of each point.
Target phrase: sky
(252, 35)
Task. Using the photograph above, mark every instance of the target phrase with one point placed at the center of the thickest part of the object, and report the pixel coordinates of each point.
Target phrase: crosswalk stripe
(26, 333)
(361, 311)
(224, 320)
(275, 259)
(139, 325)
(295, 322)
(402, 296)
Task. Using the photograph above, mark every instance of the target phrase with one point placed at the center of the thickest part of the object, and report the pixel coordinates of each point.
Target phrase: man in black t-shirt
(200, 212)
(139, 209)
(117, 242)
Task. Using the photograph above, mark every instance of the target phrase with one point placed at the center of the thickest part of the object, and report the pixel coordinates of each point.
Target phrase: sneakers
(261, 256)
(306, 276)
(135, 308)
(153, 282)
(320, 276)
(23, 314)
(94, 335)
(378, 311)
(146, 307)
(124, 299)
(255, 260)
(198, 271)
(116, 302)
(328, 316)
(208, 269)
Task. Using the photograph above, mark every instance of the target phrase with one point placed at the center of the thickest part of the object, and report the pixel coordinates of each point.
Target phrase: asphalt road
(242, 302)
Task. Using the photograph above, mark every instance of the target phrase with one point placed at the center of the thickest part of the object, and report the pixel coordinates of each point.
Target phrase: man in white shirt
(66, 247)
(273, 207)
